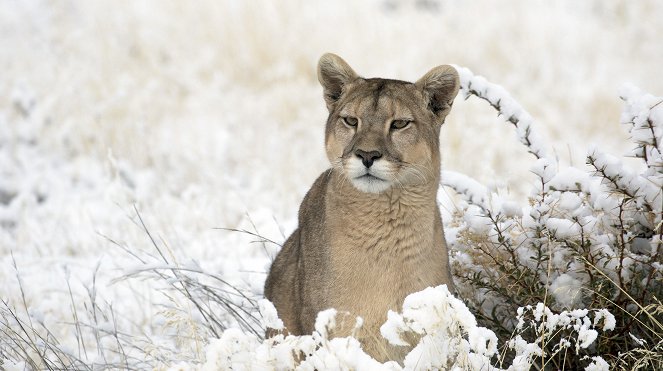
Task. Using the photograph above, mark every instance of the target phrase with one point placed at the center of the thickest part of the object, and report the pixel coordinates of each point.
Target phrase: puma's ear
(333, 74)
(440, 86)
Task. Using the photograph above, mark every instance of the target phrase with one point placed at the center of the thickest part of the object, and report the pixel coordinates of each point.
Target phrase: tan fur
(365, 242)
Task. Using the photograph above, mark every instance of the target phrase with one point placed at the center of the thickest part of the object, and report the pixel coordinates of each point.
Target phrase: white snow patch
(567, 290)
(598, 364)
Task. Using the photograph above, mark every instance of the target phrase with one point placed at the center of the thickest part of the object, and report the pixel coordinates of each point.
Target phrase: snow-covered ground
(207, 114)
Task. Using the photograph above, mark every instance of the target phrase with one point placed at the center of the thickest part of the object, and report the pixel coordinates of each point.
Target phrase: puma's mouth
(370, 183)
(373, 179)
(369, 177)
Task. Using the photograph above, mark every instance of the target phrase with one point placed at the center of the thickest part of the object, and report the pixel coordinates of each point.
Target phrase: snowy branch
(506, 106)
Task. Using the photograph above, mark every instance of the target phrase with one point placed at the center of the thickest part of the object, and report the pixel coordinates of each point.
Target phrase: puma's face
(380, 136)
(385, 133)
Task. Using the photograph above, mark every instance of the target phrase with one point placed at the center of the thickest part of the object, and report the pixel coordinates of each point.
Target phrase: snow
(524, 353)
(569, 201)
(598, 364)
(544, 321)
(586, 337)
(563, 228)
(433, 313)
(474, 192)
(608, 319)
(482, 341)
(508, 107)
(449, 339)
(567, 290)
(209, 115)
(269, 316)
(392, 329)
(570, 178)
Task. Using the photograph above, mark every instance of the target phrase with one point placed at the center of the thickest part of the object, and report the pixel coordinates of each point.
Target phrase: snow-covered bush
(449, 339)
(589, 239)
(447, 333)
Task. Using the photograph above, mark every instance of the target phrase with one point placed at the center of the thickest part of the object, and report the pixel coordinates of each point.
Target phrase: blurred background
(208, 114)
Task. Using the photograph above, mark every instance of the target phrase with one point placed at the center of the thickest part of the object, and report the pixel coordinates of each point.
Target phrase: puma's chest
(378, 260)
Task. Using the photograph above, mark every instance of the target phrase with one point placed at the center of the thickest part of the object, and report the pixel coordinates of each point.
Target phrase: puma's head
(384, 133)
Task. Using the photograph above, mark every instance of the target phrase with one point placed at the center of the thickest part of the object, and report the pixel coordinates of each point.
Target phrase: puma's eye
(399, 124)
(350, 121)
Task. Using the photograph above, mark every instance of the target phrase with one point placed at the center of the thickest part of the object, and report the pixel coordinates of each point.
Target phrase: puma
(370, 230)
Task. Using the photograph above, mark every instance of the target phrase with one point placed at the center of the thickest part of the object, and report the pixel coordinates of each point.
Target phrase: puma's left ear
(440, 86)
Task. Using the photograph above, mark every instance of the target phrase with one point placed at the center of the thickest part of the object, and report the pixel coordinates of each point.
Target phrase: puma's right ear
(333, 74)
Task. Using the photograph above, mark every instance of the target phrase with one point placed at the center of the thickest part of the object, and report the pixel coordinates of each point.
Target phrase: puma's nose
(367, 158)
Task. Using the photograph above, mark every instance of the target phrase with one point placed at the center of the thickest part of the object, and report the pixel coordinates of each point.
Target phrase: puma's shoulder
(313, 205)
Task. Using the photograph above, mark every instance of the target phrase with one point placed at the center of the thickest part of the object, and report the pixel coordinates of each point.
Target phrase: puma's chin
(370, 184)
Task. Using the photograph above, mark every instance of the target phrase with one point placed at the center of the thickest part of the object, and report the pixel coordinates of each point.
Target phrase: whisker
(422, 172)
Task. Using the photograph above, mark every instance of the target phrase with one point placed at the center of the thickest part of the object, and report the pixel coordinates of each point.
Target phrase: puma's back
(369, 230)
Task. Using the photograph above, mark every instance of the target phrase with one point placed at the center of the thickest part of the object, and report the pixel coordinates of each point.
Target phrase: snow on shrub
(238, 350)
(448, 332)
(449, 339)
(589, 239)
